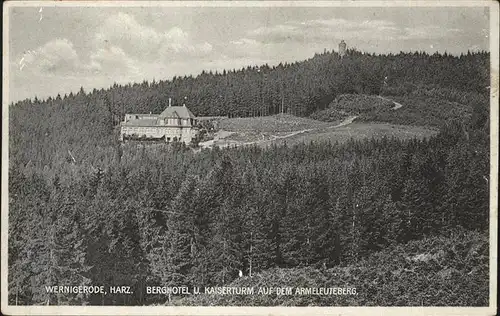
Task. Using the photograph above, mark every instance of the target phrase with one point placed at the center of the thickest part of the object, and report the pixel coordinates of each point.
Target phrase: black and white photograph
(252, 157)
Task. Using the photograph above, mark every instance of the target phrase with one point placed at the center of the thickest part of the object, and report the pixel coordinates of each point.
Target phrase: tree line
(91, 118)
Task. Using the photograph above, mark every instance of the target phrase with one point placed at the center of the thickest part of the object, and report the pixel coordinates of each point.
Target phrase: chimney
(169, 102)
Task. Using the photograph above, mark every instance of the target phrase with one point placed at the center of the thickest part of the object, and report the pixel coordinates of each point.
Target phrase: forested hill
(301, 87)
(42, 130)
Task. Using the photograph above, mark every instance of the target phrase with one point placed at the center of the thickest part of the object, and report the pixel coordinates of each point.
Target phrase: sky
(60, 49)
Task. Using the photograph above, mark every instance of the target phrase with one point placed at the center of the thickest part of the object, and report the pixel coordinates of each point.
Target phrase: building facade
(175, 123)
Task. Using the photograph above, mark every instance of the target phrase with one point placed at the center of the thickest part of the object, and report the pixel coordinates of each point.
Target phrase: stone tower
(342, 48)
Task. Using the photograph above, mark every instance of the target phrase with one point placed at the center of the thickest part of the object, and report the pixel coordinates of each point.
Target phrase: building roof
(146, 115)
(181, 112)
(141, 116)
(178, 112)
(141, 122)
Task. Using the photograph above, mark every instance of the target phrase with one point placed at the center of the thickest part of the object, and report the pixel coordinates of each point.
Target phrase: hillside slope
(286, 129)
(41, 132)
(438, 271)
(345, 105)
(431, 108)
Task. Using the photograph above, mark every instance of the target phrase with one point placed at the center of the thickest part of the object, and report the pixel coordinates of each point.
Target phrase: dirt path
(396, 104)
(345, 122)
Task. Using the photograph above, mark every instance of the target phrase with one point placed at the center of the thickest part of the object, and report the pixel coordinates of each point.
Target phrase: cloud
(177, 42)
(321, 30)
(112, 60)
(245, 41)
(122, 30)
(140, 41)
(245, 47)
(56, 57)
(177, 36)
(429, 32)
(277, 33)
(121, 46)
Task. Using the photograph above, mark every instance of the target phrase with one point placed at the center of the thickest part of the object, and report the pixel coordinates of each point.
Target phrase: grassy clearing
(307, 130)
(359, 131)
(270, 124)
(284, 128)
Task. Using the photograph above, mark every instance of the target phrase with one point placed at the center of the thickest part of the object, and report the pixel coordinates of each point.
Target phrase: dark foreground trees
(197, 219)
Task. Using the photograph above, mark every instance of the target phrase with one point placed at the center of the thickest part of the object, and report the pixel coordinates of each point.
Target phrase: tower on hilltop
(342, 48)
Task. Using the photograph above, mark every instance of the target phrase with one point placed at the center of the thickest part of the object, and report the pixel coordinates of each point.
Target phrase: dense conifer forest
(85, 209)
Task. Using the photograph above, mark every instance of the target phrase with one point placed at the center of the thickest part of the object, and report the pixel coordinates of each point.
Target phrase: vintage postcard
(249, 158)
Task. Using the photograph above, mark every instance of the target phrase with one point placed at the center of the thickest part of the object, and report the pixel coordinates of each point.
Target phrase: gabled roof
(147, 115)
(177, 112)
